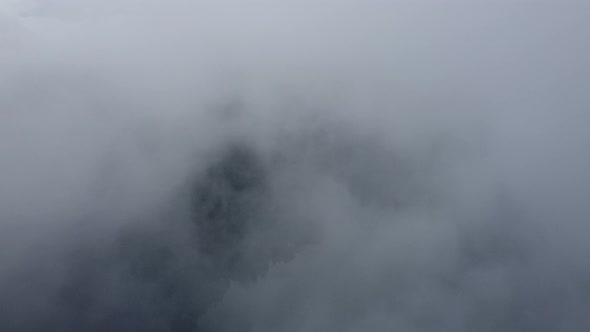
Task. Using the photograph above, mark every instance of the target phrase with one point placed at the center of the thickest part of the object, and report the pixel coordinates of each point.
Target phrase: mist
(294, 166)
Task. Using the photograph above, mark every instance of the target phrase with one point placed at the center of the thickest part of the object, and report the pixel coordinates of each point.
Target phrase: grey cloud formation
(294, 166)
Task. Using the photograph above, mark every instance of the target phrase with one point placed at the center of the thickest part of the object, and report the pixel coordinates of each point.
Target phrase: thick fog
(285, 166)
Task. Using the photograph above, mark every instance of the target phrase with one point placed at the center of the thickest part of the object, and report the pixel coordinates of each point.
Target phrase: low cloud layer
(351, 166)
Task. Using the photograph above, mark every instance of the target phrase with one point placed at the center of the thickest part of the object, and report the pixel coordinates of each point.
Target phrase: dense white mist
(409, 165)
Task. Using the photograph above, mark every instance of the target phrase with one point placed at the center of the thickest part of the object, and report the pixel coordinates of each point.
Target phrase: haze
(285, 166)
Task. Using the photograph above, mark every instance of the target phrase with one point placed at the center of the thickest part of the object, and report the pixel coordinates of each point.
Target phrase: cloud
(225, 166)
